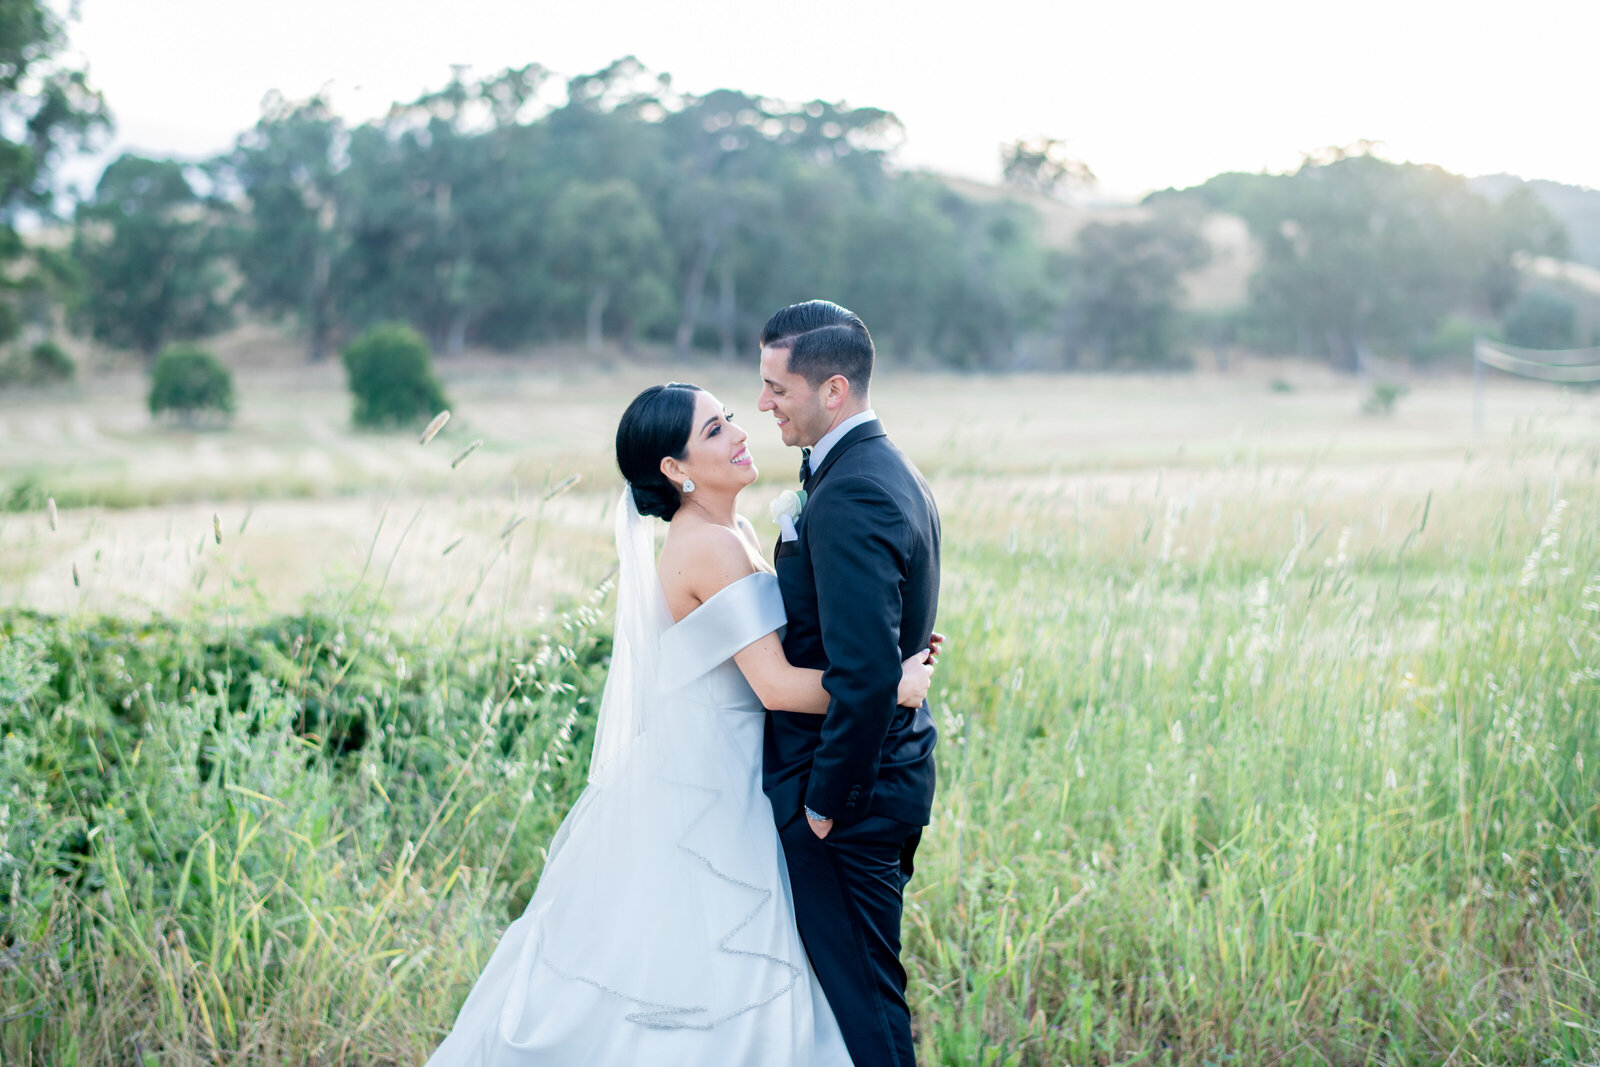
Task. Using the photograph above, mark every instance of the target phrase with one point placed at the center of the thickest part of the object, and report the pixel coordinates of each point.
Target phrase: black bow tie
(805, 465)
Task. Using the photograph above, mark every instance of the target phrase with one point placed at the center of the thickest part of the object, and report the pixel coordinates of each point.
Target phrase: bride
(662, 931)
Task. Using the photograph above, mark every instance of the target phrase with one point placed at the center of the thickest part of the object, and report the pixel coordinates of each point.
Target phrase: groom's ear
(835, 391)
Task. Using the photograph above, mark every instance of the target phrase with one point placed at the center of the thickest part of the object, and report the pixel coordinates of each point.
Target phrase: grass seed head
(435, 426)
(75, 576)
(465, 452)
(50, 508)
(563, 486)
(216, 527)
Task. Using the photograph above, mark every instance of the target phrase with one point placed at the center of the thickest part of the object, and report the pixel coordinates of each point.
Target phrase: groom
(859, 570)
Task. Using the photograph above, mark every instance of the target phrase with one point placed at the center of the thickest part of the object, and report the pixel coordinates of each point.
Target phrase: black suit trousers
(848, 892)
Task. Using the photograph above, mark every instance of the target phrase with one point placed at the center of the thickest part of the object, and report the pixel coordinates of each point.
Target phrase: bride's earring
(688, 485)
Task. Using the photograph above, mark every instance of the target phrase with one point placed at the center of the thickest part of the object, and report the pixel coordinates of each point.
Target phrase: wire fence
(1567, 366)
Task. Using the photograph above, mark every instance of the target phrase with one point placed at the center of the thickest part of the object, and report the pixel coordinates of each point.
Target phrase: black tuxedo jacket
(861, 588)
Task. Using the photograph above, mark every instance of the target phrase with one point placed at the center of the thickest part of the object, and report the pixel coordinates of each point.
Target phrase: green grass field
(1270, 731)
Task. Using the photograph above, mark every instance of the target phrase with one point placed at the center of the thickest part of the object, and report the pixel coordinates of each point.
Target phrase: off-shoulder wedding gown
(662, 931)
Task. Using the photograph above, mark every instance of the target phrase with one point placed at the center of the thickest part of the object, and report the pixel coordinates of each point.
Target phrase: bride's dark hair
(655, 426)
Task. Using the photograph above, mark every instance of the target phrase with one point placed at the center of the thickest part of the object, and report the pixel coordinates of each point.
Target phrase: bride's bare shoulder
(698, 560)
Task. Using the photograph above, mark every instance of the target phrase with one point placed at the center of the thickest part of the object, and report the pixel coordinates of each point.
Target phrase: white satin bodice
(697, 652)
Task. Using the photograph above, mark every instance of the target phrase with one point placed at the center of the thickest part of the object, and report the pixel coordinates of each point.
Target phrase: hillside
(1578, 208)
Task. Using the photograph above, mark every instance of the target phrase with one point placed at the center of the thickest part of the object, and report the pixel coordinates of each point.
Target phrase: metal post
(1477, 389)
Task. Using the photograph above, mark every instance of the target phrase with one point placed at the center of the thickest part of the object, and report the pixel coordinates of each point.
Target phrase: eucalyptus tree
(150, 251)
(48, 111)
(1360, 254)
(288, 170)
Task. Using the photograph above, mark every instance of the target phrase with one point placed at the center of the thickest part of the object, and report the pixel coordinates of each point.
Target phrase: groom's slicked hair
(823, 339)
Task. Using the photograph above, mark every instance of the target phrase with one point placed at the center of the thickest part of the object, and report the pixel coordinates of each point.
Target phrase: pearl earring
(688, 485)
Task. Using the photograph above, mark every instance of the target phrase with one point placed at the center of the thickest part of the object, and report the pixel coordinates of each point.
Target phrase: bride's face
(716, 457)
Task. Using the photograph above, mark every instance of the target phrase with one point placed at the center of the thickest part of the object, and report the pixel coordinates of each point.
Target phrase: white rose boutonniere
(786, 510)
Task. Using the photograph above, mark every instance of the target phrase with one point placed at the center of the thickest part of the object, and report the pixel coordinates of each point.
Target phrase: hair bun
(660, 501)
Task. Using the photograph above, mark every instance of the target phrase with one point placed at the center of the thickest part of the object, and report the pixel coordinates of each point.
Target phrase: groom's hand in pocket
(820, 827)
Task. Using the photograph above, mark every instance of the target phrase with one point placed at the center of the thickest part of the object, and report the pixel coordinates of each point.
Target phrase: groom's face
(798, 406)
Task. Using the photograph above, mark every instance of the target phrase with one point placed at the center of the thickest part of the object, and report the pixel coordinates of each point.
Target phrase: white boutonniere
(786, 508)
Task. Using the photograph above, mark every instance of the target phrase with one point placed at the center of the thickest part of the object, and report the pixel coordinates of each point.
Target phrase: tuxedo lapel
(861, 433)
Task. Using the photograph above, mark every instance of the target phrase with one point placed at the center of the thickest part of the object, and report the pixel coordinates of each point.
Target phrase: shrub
(1542, 320)
(1383, 397)
(1450, 341)
(391, 378)
(189, 382)
(49, 364)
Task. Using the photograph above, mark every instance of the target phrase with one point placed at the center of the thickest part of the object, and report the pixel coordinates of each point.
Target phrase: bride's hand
(916, 677)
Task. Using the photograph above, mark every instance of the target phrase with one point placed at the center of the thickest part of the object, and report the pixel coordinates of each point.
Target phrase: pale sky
(1149, 93)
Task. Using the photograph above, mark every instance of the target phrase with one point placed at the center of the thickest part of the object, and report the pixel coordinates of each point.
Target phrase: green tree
(390, 372)
(287, 170)
(1359, 253)
(1043, 165)
(150, 252)
(47, 112)
(190, 382)
(729, 151)
(1542, 319)
(606, 247)
(1122, 285)
(435, 190)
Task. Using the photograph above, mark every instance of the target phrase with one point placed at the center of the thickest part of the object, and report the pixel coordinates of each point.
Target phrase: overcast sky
(1149, 93)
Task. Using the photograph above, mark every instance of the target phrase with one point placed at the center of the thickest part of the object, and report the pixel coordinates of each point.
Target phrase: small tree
(1542, 320)
(49, 364)
(189, 382)
(391, 377)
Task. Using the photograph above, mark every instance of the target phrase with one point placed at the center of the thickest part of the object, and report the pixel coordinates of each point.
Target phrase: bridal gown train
(662, 931)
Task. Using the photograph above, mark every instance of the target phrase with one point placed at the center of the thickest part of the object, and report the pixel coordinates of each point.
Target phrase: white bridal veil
(642, 618)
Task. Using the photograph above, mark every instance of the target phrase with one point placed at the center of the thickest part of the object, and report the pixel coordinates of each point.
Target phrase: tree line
(612, 207)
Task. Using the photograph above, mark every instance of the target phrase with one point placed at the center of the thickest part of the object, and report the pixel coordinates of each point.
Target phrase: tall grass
(1229, 792)
(1259, 775)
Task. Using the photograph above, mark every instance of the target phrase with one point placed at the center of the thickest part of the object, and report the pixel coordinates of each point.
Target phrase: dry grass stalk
(563, 486)
(435, 426)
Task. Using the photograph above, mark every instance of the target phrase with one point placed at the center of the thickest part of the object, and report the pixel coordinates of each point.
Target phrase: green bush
(48, 364)
(1382, 399)
(1450, 342)
(391, 378)
(190, 383)
(1542, 320)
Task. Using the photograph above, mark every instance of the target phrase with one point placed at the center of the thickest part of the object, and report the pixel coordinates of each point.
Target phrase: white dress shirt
(820, 450)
